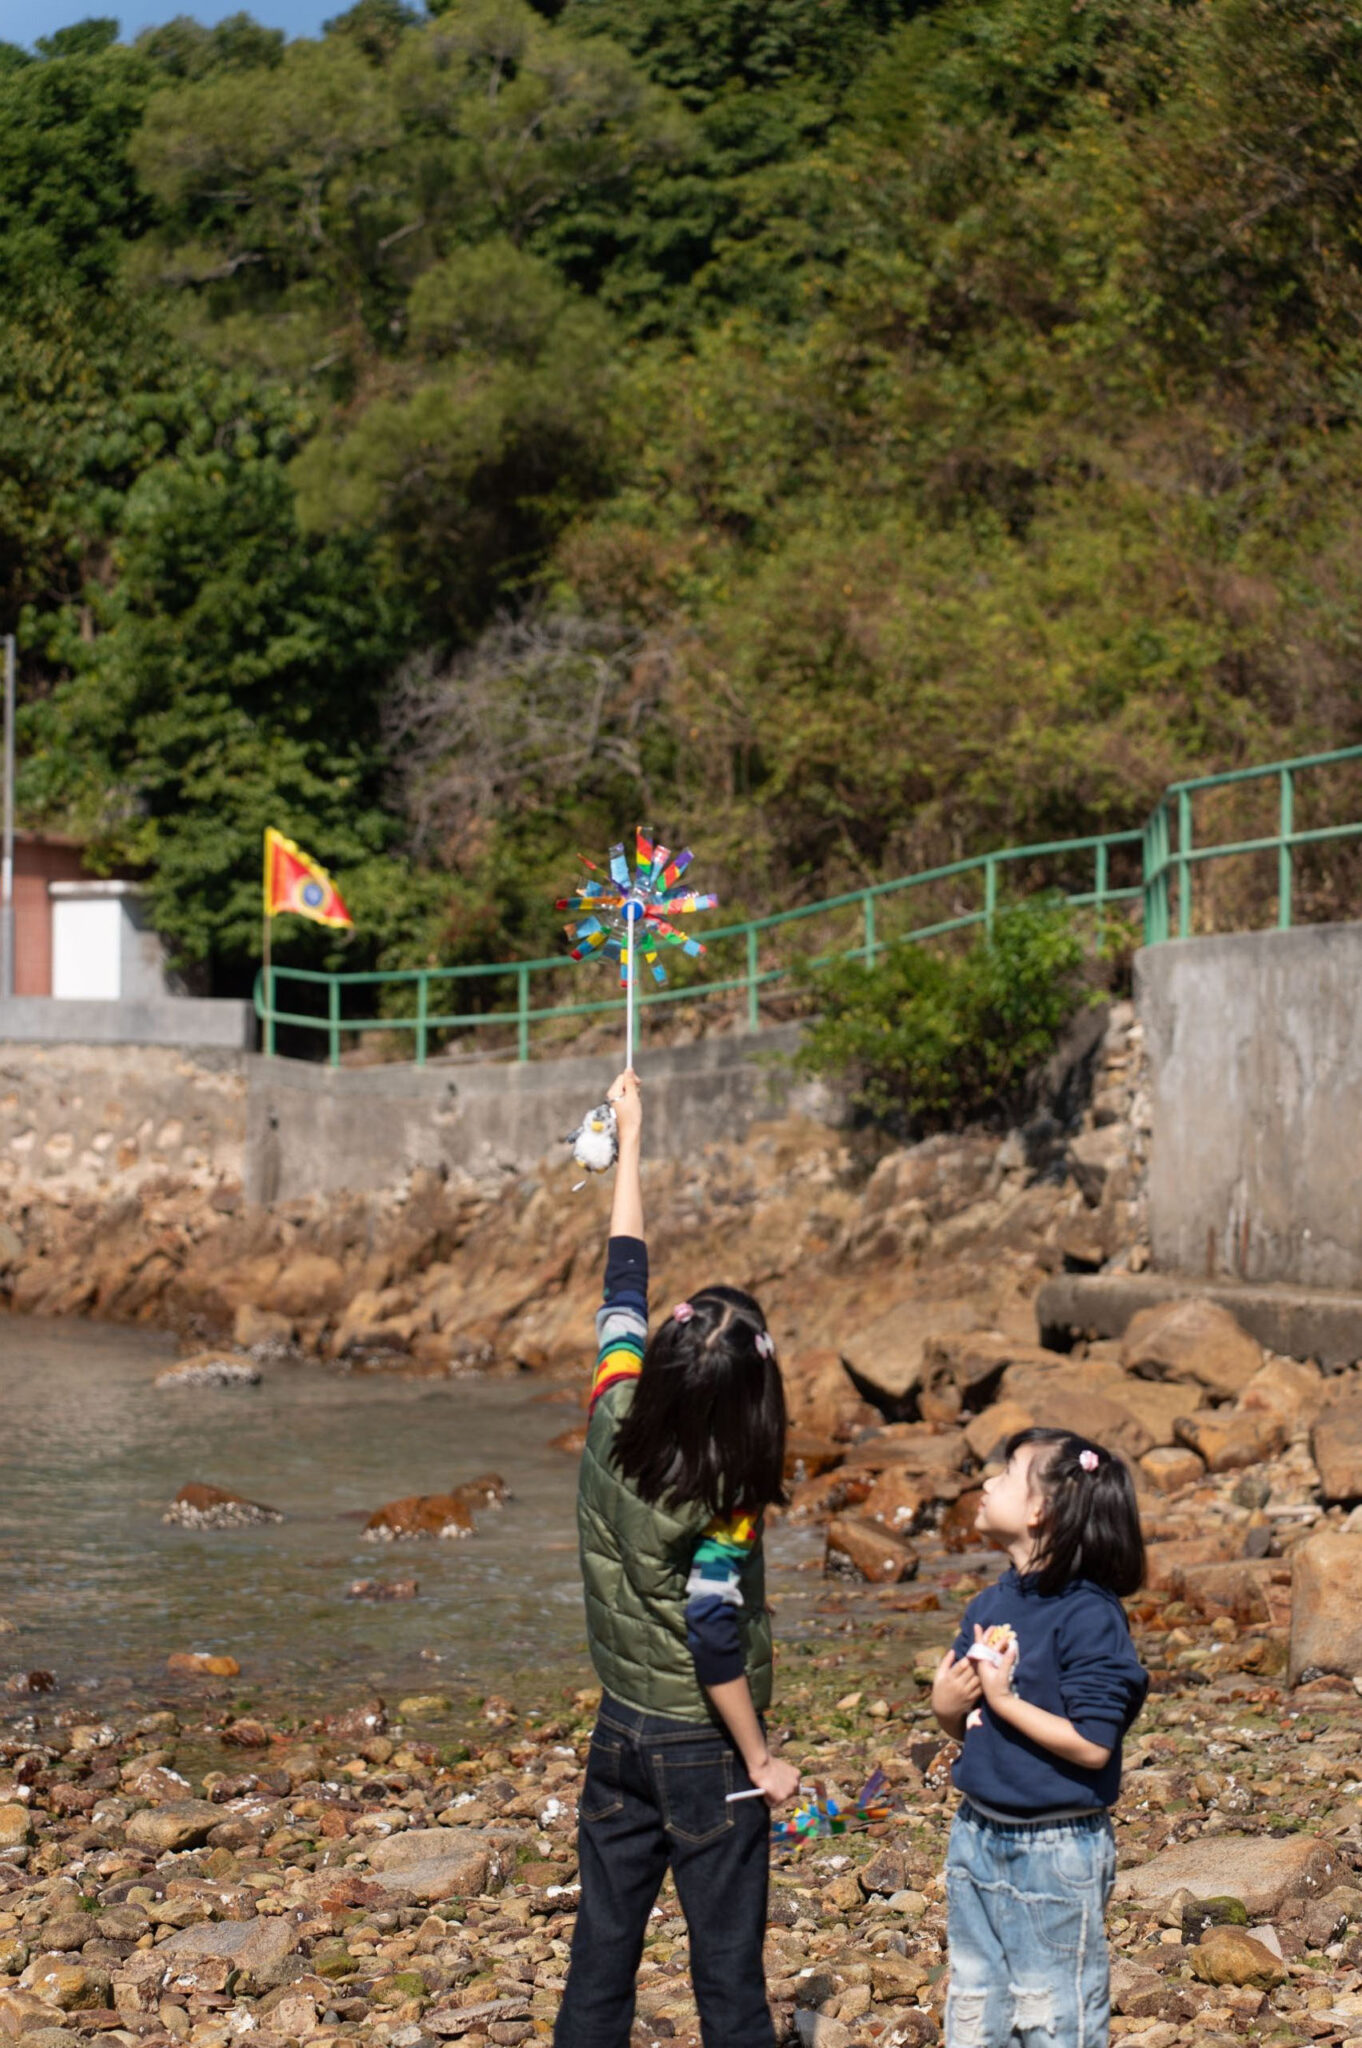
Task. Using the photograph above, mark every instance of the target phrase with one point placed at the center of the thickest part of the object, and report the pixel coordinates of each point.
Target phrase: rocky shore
(401, 1875)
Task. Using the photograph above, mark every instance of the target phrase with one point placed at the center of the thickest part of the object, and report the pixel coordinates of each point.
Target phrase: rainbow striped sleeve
(720, 1555)
(713, 1596)
(622, 1319)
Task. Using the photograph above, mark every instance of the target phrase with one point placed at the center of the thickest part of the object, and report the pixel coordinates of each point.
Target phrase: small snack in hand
(996, 1643)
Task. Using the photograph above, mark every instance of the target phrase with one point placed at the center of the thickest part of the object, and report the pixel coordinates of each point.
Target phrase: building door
(86, 944)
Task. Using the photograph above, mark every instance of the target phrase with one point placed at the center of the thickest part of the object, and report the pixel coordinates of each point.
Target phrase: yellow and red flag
(296, 882)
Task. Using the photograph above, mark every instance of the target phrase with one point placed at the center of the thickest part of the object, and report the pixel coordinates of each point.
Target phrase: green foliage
(926, 1038)
(940, 419)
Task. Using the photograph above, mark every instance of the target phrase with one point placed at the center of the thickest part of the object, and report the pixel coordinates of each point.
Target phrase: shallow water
(103, 1591)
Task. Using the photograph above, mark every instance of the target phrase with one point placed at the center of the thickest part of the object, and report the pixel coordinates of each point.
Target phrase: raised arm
(622, 1321)
(626, 1210)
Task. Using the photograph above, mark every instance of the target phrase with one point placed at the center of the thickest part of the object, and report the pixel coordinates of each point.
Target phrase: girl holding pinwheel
(684, 1451)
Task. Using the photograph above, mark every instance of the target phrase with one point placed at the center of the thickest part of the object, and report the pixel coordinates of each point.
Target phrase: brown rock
(572, 1440)
(310, 1284)
(441, 1863)
(71, 1987)
(1336, 1441)
(885, 1872)
(197, 1506)
(1228, 1438)
(16, 1827)
(202, 1664)
(1292, 1388)
(957, 1524)
(889, 1353)
(1263, 1871)
(898, 1499)
(879, 1557)
(973, 1362)
(1230, 1955)
(821, 1398)
(1326, 1605)
(260, 1330)
(987, 1433)
(1171, 1467)
(420, 1514)
(381, 1589)
(182, 1825)
(924, 1448)
(1103, 1421)
(1166, 1562)
(252, 1945)
(1194, 1340)
(1249, 1590)
(806, 1455)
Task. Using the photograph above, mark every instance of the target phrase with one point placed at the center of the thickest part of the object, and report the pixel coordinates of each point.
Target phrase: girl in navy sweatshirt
(1040, 1687)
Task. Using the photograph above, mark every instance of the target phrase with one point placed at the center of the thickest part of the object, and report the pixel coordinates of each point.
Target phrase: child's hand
(955, 1689)
(996, 1679)
(627, 1099)
(778, 1780)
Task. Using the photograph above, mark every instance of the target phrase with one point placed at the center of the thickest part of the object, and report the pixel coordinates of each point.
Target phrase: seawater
(102, 1591)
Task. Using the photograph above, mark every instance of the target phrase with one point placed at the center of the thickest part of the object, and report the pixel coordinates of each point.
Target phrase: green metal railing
(1167, 871)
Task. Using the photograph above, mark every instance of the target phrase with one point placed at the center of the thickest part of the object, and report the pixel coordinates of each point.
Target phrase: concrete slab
(1302, 1322)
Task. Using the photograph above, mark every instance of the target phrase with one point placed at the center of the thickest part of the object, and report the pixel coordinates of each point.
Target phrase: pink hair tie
(1088, 1460)
(765, 1348)
(683, 1312)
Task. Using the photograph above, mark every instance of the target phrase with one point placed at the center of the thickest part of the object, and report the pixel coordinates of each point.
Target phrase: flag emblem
(295, 882)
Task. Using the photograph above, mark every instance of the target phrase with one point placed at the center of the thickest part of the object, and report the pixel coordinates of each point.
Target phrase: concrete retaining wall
(317, 1130)
(1254, 1043)
(93, 1119)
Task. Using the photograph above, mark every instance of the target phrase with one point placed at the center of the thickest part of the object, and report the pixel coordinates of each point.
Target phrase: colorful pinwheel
(821, 1814)
(631, 913)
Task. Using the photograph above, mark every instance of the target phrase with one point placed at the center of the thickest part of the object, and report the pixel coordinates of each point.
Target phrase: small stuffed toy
(595, 1142)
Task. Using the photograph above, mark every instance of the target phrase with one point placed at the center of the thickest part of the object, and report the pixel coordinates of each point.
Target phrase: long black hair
(707, 1422)
(1091, 1528)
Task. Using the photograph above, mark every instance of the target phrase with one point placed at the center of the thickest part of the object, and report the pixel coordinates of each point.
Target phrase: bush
(928, 1038)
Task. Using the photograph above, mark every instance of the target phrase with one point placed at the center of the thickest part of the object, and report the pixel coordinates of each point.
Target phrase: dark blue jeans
(655, 1797)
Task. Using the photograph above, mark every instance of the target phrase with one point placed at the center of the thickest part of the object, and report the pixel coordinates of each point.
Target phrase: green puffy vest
(636, 1559)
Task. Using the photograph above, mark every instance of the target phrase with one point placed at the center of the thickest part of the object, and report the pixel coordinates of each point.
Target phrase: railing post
(422, 1009)
(1184, 865)
(753, 1006)
(522, 1010)
(990, 894)
(1099, 890)
(1286, 826)
(869, 907)
(333, 1020)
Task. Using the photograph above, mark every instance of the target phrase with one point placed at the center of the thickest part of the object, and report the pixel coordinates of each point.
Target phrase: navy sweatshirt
(1075, 1659)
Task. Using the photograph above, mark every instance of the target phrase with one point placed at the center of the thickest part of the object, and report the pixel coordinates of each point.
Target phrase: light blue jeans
(1028, 1947)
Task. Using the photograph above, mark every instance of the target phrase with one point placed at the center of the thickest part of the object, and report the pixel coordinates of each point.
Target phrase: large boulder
(1196, 1341)
(309, 1284)
(1293, 1388)
(255, 1946)
(182, 1825)
(1326, 1605)
(443, 1863)
(1227, 1438)
(821, 1398)
(1336, 1441)
(888, 1356)
(1263, 1871)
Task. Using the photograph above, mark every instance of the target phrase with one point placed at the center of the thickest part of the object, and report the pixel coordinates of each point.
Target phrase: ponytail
(1092, 1520)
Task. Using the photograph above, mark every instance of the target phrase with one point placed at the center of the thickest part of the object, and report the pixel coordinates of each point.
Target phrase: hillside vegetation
(850, 433)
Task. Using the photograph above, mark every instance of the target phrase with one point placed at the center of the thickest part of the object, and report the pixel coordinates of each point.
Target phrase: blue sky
(22, 21)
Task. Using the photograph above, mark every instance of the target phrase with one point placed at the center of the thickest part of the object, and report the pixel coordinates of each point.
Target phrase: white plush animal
(595, 1142)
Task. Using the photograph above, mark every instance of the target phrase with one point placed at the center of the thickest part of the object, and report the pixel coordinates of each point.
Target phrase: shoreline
(401, 1876)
